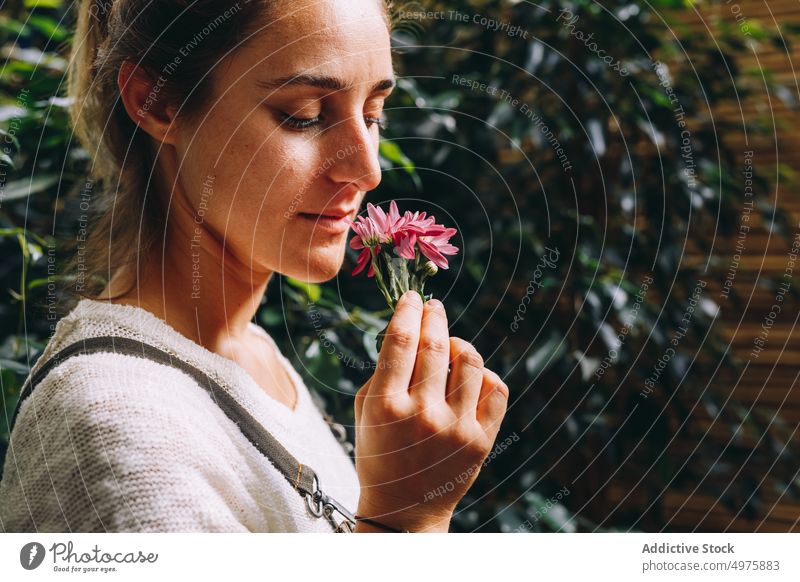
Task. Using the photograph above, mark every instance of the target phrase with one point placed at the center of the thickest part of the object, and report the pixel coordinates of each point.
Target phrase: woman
(237, 139)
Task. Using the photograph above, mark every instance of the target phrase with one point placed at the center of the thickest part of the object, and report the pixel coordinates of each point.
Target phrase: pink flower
(371, 231)
(412, 236)
(407, 234)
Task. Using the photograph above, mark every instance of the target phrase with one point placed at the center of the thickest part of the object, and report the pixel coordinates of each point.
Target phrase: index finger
(399, 350)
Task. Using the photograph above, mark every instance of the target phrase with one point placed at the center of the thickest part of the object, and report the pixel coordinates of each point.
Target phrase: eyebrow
(320, 82)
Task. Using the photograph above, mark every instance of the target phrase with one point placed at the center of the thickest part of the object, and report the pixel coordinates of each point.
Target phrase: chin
(319, 268)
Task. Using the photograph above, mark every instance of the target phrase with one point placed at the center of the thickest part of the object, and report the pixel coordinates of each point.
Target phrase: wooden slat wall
(771, 381)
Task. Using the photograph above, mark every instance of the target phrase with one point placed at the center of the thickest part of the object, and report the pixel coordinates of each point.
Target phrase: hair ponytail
(90, 32)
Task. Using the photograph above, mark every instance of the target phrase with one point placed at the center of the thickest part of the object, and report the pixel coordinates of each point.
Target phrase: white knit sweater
(113, 443)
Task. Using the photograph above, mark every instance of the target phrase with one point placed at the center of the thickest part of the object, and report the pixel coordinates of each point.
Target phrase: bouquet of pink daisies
(402, 251)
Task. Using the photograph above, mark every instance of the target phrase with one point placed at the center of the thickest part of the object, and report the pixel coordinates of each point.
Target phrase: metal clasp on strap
(319, 504)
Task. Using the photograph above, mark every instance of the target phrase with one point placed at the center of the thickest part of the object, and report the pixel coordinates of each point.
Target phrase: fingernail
(434, 303)
(411, 297)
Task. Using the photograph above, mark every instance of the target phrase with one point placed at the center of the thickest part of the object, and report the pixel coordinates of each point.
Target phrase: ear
(146, 103)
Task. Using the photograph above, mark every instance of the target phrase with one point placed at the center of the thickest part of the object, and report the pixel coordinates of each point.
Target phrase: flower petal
(404, 245)
(394, 216)
(432, 253)
(363, 260)
(447, 249)
(378, 217)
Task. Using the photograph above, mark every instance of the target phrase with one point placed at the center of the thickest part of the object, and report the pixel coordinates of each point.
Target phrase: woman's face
(292, 134)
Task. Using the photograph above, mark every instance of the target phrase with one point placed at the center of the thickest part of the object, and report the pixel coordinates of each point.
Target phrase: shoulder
(110, 442)
(115, 388)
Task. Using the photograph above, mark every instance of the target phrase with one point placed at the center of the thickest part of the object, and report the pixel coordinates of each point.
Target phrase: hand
(421, 435)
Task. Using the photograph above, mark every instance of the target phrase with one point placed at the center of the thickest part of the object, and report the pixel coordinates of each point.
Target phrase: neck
(195, 283)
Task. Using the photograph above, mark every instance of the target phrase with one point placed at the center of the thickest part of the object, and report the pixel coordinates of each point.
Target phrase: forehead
(348, 39)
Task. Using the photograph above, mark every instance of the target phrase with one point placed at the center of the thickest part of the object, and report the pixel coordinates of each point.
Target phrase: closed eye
(301, 123)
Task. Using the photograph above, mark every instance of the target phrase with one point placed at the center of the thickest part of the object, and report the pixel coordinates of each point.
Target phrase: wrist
(414, 519)
(366, 525)
(412, 526)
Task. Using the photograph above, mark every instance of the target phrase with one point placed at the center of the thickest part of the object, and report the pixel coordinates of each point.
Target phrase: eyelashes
(380, 121)
(301, 124)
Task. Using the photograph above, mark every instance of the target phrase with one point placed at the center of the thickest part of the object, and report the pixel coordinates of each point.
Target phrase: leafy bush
(581, 174)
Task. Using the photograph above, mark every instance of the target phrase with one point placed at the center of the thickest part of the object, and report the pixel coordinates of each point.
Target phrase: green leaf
(369, 339)
(547, 354)
(320, 366)
(312, 291)
(10, 112)
(392, 152)
(25, 187)
(270, 317)
(48, 27)
(34, 251)
(14, 366)
(52, 4)
(34, 283)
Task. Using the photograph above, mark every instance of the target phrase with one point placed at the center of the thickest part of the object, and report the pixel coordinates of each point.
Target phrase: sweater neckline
(152, 326)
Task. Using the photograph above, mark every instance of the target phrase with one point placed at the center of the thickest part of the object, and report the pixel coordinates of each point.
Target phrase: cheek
(257, 185)
(267, 168)
(255, 179)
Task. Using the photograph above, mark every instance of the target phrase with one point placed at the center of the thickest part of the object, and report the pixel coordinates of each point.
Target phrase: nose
(354, 155)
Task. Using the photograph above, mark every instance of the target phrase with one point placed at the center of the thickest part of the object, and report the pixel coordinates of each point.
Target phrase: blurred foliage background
(579, 201)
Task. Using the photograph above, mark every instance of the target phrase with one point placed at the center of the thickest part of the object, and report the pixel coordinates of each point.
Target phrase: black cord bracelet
(380, 525)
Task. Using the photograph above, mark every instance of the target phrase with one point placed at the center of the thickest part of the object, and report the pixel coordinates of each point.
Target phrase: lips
(334, 222)
(331, 213)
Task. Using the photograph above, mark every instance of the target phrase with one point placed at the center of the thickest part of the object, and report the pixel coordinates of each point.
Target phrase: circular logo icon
(31, 555)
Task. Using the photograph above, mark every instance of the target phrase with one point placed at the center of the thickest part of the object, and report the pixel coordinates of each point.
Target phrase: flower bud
(430, 268)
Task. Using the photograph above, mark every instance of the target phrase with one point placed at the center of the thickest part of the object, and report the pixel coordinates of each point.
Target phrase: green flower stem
(394, 282)
(401, 274)
(379, 278)
(400, 280)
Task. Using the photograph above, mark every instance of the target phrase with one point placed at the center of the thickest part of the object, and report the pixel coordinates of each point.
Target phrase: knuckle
(496, 383)
(471, 357)
(402, 338)
(436, 345)
(491, 377)
(501, 388)
(388, 408)
(427, 424)
(473, 449)
(361, 394)
(466, 353)
(464, 436)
